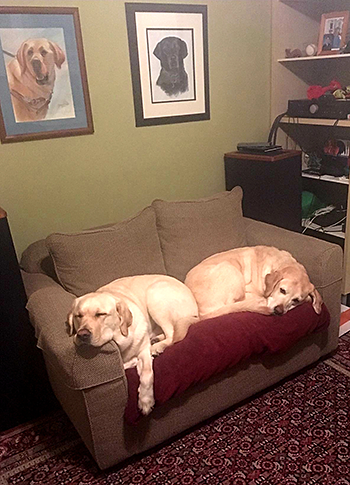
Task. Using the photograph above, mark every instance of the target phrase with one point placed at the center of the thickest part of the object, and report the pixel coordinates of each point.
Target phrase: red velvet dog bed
(213, 345)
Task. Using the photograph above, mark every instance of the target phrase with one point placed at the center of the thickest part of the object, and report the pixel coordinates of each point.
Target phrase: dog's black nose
(36, 65)
(278, 310)
(84, 335)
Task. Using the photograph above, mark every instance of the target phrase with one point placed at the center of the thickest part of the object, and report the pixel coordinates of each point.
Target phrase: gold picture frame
(333, 31)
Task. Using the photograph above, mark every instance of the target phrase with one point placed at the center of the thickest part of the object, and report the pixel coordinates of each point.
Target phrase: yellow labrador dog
(31, 76)
(144, 314)
(260, 279)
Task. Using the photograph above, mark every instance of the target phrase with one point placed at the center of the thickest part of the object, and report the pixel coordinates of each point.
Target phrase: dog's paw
(158, 348)
(146, 405)
(155, 352)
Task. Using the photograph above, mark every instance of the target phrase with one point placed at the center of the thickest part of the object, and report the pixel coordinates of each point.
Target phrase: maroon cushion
(213, 345)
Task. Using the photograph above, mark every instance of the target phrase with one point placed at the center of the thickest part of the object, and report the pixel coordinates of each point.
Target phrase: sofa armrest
(35, 281)
(79, 367)
(322, 259)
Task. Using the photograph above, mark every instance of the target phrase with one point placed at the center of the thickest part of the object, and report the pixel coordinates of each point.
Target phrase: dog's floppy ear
(59, 55)
(316, 300)
(125, 317)
(271, 279)
(70, 324)
(183, 49)
(70, 319)
(158, 50)
(20, 55)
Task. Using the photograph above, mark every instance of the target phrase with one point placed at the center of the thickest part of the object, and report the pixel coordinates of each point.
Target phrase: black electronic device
(264, 148)
(336, 165)
(323, 107)
(259, 148)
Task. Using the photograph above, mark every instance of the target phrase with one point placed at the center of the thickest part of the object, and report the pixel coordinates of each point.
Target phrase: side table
(272, 186)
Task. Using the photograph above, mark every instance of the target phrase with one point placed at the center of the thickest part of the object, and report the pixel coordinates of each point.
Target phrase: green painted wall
(68, 184)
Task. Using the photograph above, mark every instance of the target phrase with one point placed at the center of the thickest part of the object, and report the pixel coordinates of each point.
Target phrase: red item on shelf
(317, 91)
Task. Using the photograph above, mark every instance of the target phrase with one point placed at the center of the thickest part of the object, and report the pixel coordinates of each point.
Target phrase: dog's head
(171, 51)
(97, 318)
(39, 57)
(289, 287)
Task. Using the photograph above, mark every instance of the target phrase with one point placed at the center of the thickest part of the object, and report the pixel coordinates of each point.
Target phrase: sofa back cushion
(86, 260)
(190, 231)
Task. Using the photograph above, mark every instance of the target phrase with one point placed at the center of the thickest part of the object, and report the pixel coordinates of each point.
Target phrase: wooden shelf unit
(327, 178)
(295, 24)
(317, 122)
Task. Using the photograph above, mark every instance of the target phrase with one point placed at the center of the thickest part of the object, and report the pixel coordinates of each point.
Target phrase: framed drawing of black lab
(168, 47)
(43, 83)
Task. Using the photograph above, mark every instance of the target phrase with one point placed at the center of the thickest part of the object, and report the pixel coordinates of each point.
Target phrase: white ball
(311, 50)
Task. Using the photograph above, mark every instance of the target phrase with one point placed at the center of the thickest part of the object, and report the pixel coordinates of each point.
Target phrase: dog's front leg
(145, 390)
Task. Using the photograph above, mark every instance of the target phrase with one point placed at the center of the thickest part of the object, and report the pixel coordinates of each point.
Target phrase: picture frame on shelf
(168, 49)
(43, 81)
(333, 31)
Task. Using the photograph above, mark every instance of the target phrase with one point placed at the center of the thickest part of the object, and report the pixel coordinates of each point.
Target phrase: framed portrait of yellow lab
(43, 83)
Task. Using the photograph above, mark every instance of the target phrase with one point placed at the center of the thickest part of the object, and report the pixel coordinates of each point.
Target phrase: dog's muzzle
(84, 336)
(173, 62)
(278, 310)
(40, 78)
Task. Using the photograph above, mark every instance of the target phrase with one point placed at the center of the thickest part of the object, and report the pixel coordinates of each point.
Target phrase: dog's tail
(182, 326)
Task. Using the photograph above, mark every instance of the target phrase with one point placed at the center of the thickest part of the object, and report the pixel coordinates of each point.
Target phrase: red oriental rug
(297, 433)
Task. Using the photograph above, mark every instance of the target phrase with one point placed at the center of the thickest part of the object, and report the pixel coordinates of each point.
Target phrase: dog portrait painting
(37, 74)
(172, 70)
(168, 49)
(173, 79)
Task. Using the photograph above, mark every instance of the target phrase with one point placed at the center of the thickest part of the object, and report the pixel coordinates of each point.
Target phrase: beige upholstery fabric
(86, 260)
(36, 281)
(98, 416)
(79, 367)
(36, 259)
(192, 230)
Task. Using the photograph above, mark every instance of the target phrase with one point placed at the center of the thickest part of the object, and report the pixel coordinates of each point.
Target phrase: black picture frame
(168, 49)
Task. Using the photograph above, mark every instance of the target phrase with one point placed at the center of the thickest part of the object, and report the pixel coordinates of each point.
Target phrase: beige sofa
(167, 237)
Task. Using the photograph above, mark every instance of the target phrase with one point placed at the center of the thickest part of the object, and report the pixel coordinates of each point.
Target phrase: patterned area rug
(297, 433)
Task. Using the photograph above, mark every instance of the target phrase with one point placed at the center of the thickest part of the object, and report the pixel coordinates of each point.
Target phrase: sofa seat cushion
(214, 345)
(190, 231)
(87, 260)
